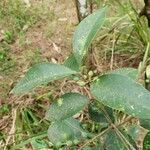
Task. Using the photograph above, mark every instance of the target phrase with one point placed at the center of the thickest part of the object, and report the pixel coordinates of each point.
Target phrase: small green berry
(81, 83)
(95, 71)
(76, 141)
(90, 73)
(76, 79)
(85, 77)
(60, 102)
(84, 126)
(58, 145)
(84, 134)
(69, 143)
(97, 127)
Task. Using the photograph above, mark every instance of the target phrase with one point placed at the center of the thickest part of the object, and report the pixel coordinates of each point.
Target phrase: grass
(19, 121)
(127, 37)
(33, 34)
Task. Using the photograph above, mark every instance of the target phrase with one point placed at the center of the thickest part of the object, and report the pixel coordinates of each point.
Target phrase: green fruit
(81, 83)
(85, 77)
(90, 73)
(76, 141)
(69, 143)
(84, 134)
(97, 127)
(84, 126)
(76, 79)
(58, 145)
(60, 101)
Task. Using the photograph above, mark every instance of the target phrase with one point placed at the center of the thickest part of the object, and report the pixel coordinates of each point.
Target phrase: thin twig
(125, 121)
(112, 54)
(77, 10)
(143, 64)
(91, 6)
(97, 136)
(126, 142)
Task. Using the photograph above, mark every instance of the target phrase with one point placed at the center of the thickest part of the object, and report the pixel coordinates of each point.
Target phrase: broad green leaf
(86, 32)
(133, 131)
(130, 136)
(145, 123)
(122, 93)
(129, 72)
(113, 142)
(41, 74)
(146, 143)
(66, 106)
(72, 63)
(97, 114)
(63, 131)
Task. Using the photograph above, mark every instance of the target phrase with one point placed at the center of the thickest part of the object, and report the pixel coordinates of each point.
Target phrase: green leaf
(129, 72)
(130, 136)
(133, 131)
(86, 32)
(41, 74)
(113, 142)
(63, 131)
(66, 106)
(72, 63)
(122, 93)
(146, 143)
(145, 123)
(97, 114)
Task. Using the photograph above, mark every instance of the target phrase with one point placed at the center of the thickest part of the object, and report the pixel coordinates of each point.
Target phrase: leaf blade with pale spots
(66, 106)
(86, 32)
(113, 142)
(122, 93)
(71, 63)
(41, 74)
(129, 72)
(65, 130)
